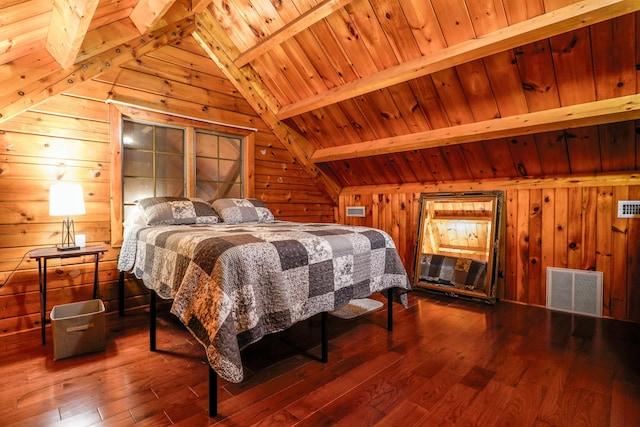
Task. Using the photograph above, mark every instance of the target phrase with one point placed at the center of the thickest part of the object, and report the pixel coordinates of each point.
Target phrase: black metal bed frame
(213, 376)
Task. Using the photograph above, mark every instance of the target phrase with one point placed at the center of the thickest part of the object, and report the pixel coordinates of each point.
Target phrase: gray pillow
(237, 211)
(177, 210)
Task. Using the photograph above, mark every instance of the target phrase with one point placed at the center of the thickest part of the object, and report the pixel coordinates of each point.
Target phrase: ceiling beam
(489, 184)
(589, 114)
(148, 13)
(35, 92)
(68, 26)
(211, 36)
(198, 6)
(572, 17)
(304, 21)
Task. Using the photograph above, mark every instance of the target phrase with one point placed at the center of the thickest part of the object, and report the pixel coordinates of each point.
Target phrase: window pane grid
(153, 161)
(218, 166)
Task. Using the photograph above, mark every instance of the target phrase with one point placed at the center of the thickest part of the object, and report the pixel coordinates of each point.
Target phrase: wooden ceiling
(372, 92)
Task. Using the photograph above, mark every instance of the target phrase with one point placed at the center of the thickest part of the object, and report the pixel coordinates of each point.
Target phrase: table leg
(96, 284)
(42, 282)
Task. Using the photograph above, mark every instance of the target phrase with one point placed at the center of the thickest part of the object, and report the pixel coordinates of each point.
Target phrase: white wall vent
(355, 211)
(628, 209)
(574, 291)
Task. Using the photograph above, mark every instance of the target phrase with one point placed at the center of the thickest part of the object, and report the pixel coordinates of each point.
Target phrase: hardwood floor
(447, 362)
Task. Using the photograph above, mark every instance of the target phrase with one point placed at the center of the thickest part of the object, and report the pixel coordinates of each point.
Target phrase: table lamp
(66, 199)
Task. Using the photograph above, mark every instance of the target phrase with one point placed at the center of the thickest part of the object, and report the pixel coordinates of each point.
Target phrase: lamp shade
(66, 199)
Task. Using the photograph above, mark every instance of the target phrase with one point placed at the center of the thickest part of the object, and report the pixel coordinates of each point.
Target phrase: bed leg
(121, 294)
(325, 339)
(390, 309)
(213, 392)
(152, 320)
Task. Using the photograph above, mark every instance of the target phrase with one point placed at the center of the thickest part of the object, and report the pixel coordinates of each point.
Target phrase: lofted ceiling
(373, 92)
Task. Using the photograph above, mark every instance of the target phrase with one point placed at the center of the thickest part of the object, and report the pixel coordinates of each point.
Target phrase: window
(218, 166)
(153, 162)
(161, 155)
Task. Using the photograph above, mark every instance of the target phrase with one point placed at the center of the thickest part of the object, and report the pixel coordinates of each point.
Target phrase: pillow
(134, 217)
(236, 211)
(177, 210)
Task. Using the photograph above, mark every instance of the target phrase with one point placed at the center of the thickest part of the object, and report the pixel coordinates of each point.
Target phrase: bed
(235, 273)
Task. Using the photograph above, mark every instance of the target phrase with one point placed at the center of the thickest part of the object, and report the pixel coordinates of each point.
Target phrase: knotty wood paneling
(574, 227)
(67, 138)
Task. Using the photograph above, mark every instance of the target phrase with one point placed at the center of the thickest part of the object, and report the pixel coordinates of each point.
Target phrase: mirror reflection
(458, 243)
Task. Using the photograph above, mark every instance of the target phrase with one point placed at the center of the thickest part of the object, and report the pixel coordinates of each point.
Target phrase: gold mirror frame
(458, 244)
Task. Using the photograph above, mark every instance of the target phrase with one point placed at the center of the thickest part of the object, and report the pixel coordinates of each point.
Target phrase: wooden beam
(556, 22)
(588, 114)
(115, 177)
(304, 21)
(107, 37)
(148, 13)
(219, 47)
(568, 181)
(198, 6)
(59, 81)
(69, 23)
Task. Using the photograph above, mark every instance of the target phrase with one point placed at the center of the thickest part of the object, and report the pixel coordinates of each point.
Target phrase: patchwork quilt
(231, 284)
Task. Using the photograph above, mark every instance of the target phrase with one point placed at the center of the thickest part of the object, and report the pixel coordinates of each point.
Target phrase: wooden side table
(44, 254)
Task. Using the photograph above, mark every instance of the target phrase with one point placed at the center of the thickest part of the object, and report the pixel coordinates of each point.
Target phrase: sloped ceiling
(374, 92)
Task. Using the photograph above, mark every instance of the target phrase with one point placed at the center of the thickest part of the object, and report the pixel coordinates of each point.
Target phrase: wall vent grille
(574, 291)
(628, 209)
(355, 211)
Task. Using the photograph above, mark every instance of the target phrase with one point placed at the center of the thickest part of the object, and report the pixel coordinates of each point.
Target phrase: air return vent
(574, 291)
(628, 209)
(355, 211)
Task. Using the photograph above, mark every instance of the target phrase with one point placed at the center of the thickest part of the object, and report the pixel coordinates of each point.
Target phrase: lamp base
(68, 236)
(67, 248)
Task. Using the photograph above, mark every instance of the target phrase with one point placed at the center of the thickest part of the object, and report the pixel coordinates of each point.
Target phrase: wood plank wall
(68, 139)
(564, 227)
(40, 148)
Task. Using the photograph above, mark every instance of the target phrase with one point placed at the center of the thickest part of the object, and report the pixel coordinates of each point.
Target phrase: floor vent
(574, 291)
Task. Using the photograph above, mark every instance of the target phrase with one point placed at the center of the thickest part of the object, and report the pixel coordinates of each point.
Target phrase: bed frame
(213, 376)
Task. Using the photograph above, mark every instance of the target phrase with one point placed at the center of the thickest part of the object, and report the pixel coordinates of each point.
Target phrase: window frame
(116, 115)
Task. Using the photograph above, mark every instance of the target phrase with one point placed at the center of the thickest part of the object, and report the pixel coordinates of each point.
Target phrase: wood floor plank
(82, 419)
(340, 386)
(122, 419)
(448, 361)
(625, 410)
(436, 387)
(406, 413)
(522, 407)
(488, 405)
(25, 418)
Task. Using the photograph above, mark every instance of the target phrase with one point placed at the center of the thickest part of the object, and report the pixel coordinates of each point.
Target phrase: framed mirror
(458, 244)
